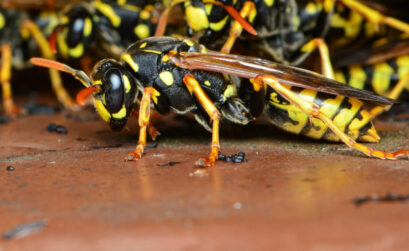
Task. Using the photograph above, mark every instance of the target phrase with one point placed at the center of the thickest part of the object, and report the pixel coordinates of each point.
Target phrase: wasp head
(76, 31)
(116, 92)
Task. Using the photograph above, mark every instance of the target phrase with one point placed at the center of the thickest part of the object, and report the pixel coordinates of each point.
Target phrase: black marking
(52, 127)
(236, 158)
(170, 163)
(390, 197)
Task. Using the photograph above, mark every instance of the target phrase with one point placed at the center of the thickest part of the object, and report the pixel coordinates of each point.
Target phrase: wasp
(285, 30)
(20, 39)
(102, 24)
(382, 69)
(183, 76)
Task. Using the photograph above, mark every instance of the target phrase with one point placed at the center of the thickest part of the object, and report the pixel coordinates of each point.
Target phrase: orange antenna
(85, 93)
(52, 41)
(80, 75)
(236, 15)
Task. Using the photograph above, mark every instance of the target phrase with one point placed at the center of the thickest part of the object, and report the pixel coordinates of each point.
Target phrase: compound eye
(75, 32)
(114, 90)
(80, 26)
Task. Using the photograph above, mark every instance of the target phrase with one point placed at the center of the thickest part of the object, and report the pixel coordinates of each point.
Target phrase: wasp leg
(248, 10)
(152, 131)
(163, 20)
(194, 87)
(55, 77)
(376, 17)
(143, 120)
(393, 94)
(5, 72)
(326, 66)
(313, 110)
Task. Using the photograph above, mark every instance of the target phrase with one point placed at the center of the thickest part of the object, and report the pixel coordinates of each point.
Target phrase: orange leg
(313, 110)
(237, 28)
(152, 131)
(194, 87)
(5, 72)
(326, 66)
(144, 115)
(376, 17)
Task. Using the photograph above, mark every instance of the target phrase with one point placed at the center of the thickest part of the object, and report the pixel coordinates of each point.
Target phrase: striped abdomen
(347, 114)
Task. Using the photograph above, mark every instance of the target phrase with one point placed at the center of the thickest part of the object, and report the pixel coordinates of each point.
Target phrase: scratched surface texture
(75, 192)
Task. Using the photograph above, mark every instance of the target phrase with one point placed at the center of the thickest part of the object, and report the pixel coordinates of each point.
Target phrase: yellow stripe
(120, 114)
(77, 51)
(403, 65)
(87, 27)
(294, 113)
(219, 25)
(128, 59)
(127, 84)
(102, 111)
(356, 124)
(357, 77)
(62, 45)
(340, 77)
(382, 78)
(346, 115)
(269, 3)
(109, 13)
(230, 91)
(329, 107)
(2, 21)
(153, 51)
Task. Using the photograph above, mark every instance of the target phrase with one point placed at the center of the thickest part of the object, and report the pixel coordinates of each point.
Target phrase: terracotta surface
(292, 194)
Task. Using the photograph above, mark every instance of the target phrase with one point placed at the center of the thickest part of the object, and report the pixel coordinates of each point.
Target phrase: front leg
(143, 120)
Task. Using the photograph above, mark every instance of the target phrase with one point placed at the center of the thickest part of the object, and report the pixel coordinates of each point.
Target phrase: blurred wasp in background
(90, 28)
(20, 39)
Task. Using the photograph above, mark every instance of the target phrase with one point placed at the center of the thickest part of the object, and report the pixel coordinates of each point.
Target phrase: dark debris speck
(33, 108)
(151, 146)
(4, 119)
(52, 127)
(170, 163)
(236, 158)
(10, 168)
(23, 230)
(390, 197)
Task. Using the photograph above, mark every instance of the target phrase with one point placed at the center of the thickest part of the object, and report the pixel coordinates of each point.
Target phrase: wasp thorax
(115, 99)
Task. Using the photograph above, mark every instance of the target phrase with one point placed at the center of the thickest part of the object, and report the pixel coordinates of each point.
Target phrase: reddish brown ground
(292, 194)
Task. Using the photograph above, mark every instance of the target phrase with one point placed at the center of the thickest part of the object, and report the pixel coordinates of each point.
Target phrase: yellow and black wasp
(182, 76)
(20, 39)
(282, 27)
(382, 69)
(102, 25)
